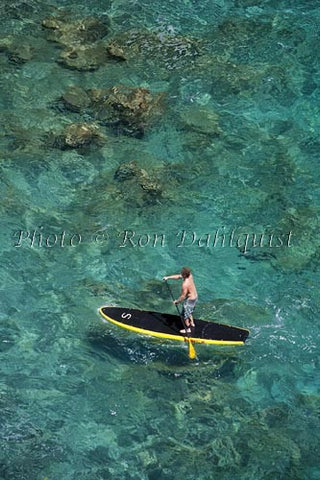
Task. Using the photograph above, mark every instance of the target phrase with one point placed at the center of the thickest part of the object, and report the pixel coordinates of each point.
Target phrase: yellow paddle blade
(192, 352)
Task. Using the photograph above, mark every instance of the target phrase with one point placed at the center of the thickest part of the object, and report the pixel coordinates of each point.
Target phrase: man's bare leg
(187, 324)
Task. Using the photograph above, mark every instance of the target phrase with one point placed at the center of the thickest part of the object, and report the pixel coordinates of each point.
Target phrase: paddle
(191, 351)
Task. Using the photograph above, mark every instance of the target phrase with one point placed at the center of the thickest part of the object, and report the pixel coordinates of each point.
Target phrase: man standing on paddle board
(188, 295)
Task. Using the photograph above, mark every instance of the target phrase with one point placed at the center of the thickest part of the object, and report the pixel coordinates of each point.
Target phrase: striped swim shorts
(188, 307)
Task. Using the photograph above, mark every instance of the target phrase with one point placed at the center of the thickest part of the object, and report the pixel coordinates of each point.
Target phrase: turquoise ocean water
(215, 166)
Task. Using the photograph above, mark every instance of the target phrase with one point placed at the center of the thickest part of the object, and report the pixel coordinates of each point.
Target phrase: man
(188, 295)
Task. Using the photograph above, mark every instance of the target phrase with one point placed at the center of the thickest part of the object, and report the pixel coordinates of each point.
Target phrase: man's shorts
(188, 307)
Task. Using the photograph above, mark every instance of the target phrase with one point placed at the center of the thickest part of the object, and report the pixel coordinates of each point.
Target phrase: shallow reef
(129, 110)
(66, 31)
(131, 173)
(79, 134)
(17, 49)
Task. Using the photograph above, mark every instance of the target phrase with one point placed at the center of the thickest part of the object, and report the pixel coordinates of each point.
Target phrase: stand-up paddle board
(168, 326)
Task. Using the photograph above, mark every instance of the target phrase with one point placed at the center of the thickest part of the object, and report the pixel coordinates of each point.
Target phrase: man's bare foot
(186, 331)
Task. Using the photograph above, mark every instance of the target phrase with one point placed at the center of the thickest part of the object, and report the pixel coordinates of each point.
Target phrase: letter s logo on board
(126, 315)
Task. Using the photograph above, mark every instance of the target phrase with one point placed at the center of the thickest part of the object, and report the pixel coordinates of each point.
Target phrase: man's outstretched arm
(173, 277)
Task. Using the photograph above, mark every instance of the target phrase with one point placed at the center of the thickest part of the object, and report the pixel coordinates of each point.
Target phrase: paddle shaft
(180, 314)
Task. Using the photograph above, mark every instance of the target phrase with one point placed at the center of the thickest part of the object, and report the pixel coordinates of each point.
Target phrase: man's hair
(185, 272)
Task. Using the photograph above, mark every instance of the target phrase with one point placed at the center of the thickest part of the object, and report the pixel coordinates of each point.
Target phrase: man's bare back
(189, 288)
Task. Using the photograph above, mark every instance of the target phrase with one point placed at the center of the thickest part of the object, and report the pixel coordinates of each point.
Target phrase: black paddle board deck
(168, 326)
